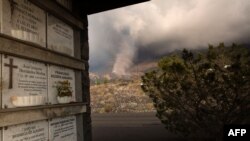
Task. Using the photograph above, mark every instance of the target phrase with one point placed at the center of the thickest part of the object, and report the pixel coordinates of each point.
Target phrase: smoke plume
(119, 38)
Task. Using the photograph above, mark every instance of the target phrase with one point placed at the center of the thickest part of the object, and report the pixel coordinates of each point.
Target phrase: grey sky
(118, 38)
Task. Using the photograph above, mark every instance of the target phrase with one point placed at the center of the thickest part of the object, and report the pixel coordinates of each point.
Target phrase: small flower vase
(64, 99)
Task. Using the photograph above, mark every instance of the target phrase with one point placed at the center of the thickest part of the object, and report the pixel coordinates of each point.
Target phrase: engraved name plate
(23, 20)
(58, 74)
(24, 82)
(63, 129)
(33, 131)
(60, 36)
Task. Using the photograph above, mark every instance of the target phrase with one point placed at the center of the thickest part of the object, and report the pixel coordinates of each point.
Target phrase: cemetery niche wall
(44, 79)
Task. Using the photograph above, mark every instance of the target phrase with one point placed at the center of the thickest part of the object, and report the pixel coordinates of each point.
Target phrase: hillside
(119, 96)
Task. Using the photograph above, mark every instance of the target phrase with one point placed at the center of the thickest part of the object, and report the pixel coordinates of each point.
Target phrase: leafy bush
(199, 93)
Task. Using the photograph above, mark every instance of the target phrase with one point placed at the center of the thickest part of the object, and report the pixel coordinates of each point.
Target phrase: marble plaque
(33, 131)
(23, 80)
(23, 20)
(56, 74)
(63, 129)
(66, 3)
(60, 36)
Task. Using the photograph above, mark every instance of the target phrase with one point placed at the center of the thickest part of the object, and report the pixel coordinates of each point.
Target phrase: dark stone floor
(129, 127)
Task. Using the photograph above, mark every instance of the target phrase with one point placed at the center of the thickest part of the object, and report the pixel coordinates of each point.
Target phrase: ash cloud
(122, 37)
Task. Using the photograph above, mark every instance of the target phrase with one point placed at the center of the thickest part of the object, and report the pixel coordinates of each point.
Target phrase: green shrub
(199, 93)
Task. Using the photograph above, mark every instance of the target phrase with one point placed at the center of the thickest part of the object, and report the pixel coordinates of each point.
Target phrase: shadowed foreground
(129, 127)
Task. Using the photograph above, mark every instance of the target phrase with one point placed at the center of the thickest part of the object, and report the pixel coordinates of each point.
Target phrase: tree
(199, 93)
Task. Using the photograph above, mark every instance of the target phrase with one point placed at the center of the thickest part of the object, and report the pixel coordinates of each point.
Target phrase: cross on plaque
(11, 67)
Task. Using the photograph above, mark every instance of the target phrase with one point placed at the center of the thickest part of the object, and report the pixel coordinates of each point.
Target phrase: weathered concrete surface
(129, 127)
